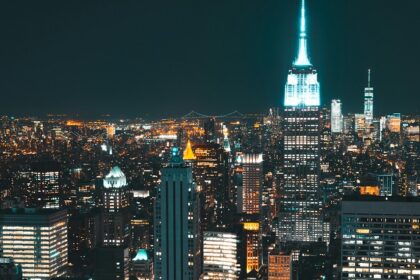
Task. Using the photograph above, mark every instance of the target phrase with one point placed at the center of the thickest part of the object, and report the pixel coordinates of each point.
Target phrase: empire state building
(301, 201)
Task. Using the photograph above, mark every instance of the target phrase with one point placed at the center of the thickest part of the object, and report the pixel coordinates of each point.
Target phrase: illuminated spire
(188, 152)
(368, 78)
(302, 58)
(226, 143)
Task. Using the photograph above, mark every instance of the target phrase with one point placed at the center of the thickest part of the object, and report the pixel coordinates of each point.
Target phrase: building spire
(368, 78)
(302, 58)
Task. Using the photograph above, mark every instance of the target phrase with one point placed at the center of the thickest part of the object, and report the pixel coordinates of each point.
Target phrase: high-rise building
(251, 239)
(220, 251)
(301, 203)
(36, 239)
(45, 188)
(279, 264)
(393, 123)
(360, 125)
(210, 172)
(210, 131)
(112, 258)
(226, 143)
(336, 116)
(142, 266)
(176, 220)
(249, 193)
(380, 237)
(116, 222)
(368, 104)
(386, 182)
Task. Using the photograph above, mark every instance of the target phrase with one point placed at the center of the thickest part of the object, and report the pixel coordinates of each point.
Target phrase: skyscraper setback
(301, 204)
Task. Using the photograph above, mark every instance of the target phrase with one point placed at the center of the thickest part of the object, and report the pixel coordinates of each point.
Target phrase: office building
(112, 258)
(142, 266)
(251, 239)
(220, 260)
(210, 172)
(360, 125)
(393, 123)
(176, 218)
(386, 183)
(45, 188)
(249, 193)
(116, 221)
(336, 116)
(36, 239)
(380, 237)
(368, 103)
(279, 264)
(301, 203)
(210, 135)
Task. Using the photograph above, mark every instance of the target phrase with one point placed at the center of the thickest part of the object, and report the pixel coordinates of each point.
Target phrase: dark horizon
(164, 59)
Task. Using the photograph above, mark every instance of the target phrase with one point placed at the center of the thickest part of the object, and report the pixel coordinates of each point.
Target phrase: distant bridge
(195, 115)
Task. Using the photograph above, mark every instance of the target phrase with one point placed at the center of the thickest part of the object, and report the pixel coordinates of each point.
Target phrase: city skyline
(299, 190)
(62, 58)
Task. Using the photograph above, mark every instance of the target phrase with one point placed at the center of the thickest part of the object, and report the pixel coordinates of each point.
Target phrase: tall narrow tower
(176, 216)
(301, 203)
(336, 116)
(368, 108)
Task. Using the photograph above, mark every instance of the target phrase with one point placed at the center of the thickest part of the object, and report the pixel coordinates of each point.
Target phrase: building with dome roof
(116, 202)
(115, 178)
(112, 258)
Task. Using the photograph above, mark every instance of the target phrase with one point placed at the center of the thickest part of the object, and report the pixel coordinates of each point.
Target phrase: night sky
(152, 58)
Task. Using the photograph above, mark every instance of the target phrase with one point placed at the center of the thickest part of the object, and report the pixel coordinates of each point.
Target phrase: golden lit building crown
(188, 152)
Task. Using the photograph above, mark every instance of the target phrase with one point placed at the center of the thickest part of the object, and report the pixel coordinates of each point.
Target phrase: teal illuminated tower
(301, 203)
(177, 234)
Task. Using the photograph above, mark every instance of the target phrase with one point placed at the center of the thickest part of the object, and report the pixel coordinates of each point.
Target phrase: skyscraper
(116, 219)
(112, 259)
(36, 239)
(380, 238)
(279, 264)
(336, 116)
(251, 240)
(301, 203)
(176, 220)
(249, 193)
(368, 108)
(210, 172)
(220, 251)
(45, 189)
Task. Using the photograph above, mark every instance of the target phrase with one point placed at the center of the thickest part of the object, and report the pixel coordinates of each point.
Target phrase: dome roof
(141, 255)
(115, 178)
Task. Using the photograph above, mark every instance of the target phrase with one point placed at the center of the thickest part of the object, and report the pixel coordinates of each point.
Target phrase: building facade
(220, 251)
(279, 265)
(380, 238)
(210, 172)
(336, 116)
(36, 239)
(368, 103)
(301, 203)
(249, 193)
(116, 222)
(176, 218)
